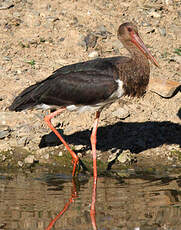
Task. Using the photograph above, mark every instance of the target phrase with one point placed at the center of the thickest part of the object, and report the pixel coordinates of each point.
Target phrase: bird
(91, 85)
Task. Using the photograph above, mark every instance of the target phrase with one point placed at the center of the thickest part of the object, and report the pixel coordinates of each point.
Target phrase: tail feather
(24, 100)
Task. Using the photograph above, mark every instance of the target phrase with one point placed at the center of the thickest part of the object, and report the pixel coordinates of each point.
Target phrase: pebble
(79, 155)
(4, 131)
(125, 156)
(154, 14)
(20, 163)
(149, 30)
(6, 58)
(82, 43)
(47, 156)
(29, 159)
(93, 54)
(177, 59)
(60, 154)
(137, 228)
(170, 158)
(52, 18)
(4, 158)
(79, 147)
(121, 113)
(23, 141)
(168, 2)
(90, 40)
(102, 31)
(162, 31)
(117, 44)
(24, 129)
(4, 5)
(112, 157)
(61, 39)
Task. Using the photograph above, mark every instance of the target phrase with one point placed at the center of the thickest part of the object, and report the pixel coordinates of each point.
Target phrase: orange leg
(93, 143)
(48, 121)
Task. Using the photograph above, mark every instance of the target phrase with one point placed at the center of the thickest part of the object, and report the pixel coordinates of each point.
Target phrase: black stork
(91, 85)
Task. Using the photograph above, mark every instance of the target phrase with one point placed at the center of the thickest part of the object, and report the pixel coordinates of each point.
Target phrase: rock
(125, 156)
(112, 157)
(60, 154)
(82, 43)
(4, 131)
(154, 14)
(90, 41)
(102, 31)
(52, 18)
(24, 129)
(20, 163)
(121, 113)
(4, 5)
(61, 39)
(7, 58)
(168, 2)
(23, 141)
(177, 59)
(29, 159)
(79, 147)
(47, 156)
(117, 44)
(149, 30)
(162, 31)
(3, 158)
(79, 155)
(163, 87)
(93, 54)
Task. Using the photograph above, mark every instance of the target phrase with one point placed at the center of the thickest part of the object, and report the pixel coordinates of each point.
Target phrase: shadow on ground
(134, 136)
(179, 113)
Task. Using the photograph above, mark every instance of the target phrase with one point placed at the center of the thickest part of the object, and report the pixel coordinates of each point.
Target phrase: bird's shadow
(135, 136)
(179, 113)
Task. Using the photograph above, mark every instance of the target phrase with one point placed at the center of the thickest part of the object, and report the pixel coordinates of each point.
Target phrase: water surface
(135, 201)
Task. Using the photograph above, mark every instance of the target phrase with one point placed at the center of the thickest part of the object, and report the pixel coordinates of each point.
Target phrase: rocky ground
(37, 37)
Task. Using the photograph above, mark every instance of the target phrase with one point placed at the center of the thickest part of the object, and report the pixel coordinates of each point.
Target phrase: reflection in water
(92, 210)
(73, 196)
(135, 202)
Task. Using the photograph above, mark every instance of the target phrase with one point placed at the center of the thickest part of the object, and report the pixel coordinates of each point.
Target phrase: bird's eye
(129, 29)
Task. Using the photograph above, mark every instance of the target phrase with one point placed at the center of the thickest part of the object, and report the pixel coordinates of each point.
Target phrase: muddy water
(135, 201)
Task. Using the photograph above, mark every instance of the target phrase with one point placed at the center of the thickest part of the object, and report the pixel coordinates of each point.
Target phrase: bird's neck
(139, 58)
(135, 73)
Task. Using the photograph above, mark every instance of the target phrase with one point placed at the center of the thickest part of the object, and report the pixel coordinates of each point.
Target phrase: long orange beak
(139, 43)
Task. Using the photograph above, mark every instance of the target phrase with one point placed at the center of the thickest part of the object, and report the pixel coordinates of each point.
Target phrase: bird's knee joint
(47, 119)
